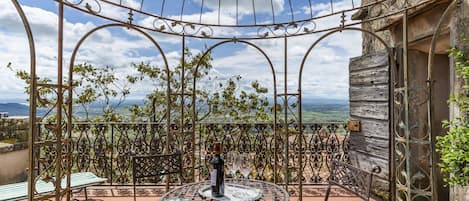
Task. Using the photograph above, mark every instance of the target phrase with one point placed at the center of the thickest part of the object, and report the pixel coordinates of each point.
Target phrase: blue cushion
(19, 191)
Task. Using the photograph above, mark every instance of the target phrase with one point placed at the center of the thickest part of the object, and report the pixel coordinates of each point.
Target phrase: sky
(325, 75)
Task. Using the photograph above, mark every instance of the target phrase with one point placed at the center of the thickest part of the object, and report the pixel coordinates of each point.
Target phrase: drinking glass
(231, 162)
(245, 167)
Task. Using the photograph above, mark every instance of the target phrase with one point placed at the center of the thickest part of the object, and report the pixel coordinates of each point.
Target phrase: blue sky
(325, 75)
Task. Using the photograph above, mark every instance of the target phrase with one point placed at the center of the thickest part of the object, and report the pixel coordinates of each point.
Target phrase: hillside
(312, 112)
(14, 109)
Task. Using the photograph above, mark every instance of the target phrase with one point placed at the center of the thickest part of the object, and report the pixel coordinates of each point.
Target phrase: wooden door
(370, 105)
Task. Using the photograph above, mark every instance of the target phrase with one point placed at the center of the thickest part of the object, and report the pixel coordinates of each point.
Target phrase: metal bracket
(354, 125)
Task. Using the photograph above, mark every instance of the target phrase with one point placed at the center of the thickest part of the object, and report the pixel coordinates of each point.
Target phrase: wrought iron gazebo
(252, 26)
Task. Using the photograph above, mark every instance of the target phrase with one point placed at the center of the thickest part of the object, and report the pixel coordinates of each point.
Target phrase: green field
(312, 112)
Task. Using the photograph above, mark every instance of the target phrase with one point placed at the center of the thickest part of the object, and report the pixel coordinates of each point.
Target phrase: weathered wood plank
(373, 146)
(374, 128)
(368, 61)
(369, 93)
(371, 76)
(374, 110)
(367, 162)
(369, 103)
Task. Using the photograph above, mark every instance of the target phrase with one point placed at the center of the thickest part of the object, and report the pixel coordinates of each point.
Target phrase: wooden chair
(351, 178)
(150, 166)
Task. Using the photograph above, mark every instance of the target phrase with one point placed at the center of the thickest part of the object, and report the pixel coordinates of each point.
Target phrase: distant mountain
(314, 100)
(14, 109)
(309, 100)
(314, 109)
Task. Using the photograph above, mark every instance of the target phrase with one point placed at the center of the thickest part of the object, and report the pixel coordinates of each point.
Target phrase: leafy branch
(453, 146)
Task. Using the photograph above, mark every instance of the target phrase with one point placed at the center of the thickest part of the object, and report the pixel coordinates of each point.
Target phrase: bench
(19, 191)
(353, 179)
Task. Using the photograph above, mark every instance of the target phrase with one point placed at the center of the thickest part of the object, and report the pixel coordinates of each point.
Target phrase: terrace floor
(124, 193)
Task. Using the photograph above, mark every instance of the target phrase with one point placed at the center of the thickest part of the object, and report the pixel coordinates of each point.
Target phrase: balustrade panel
(107, 148)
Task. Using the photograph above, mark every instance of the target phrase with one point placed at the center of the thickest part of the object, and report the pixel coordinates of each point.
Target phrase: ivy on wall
(454, 146)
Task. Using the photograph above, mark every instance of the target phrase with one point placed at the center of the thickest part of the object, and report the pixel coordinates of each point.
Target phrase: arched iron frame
(391, 77)
(64, 142)
(430, 107)
(297, 27)
(166, 68)
(67, 140)
(274, 79)
(32, 97)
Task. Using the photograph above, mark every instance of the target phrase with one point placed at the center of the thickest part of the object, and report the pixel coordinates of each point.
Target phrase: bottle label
(213, 178)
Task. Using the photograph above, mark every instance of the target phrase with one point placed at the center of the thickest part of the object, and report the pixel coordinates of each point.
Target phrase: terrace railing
(106, 149)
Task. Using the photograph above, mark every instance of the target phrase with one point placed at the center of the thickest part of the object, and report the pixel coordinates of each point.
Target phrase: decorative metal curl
(95, 10)
(286, 29)
(181, 28)
(71, 2)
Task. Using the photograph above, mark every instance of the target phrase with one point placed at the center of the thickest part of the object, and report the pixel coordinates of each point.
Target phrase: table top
(270, 191)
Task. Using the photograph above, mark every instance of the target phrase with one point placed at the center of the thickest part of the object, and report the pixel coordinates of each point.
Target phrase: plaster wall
(13, 166)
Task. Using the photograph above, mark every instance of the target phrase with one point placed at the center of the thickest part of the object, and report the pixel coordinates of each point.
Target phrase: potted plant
(454, 146)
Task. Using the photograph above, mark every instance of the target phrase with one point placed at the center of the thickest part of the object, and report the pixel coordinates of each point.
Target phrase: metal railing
(106, 149)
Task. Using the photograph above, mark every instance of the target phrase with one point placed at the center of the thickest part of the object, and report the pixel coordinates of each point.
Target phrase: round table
(270, 191)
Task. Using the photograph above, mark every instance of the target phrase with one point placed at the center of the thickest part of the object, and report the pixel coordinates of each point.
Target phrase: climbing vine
(454, 146)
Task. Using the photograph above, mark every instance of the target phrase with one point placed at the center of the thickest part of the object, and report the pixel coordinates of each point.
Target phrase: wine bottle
(217, 174)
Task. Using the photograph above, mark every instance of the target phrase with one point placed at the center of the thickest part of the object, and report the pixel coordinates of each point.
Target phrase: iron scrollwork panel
(107, 148)
(413, 171)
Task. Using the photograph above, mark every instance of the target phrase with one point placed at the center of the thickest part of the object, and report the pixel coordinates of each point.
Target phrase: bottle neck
(217, 149)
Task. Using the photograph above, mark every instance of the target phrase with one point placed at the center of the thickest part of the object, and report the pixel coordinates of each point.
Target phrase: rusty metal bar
(405, 44)
(219, 10)
(74, 6)
(273, 23)
(273, 12)
(285, 107)
(254, 12)
(156, 45)
(59, 129)
(431, 58)
(430, 106)
(183, 46)
(168, 113)
(201, 10)
(32, 99)
(70, 129)
(194, 115)
(300, 127)
(275, 132)
(112, 152)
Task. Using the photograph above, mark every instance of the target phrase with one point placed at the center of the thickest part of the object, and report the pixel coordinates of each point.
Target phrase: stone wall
(380, 27)
(422, 22)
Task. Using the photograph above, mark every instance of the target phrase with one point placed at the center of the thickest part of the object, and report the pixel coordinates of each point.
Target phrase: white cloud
(110, 10)
(326, 7)
(104, 47)
(325, 74)
(244, 6)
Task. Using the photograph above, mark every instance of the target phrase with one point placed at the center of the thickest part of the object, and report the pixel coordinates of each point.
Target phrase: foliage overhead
(226, 101)
(91, 85)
